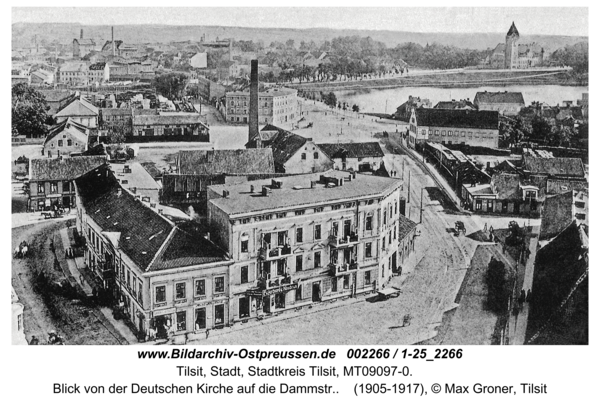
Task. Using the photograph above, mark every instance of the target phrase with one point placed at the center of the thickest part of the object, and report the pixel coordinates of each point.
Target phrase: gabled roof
(151, 241)
(499, 98)
(174, 119)
(457, 118)
(249, 161)
(513, 30)
(56, 95)
(63, 169)
(284, 144)
(405, 226)
(461, 104)
(70, 128)
(78, 107)
(352, 150)
(563, 166)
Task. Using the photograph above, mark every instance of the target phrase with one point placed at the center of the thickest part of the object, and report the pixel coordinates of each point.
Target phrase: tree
(171, 85)
(562, 136)
(496, 281)
(116, 137)
(29, 115)
(355, 108)
(541, 128)
(289, 43)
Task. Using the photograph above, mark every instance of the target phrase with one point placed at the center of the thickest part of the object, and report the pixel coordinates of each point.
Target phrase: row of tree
(542, 131)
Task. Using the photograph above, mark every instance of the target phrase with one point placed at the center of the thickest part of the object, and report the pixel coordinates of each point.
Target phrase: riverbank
(457, 79)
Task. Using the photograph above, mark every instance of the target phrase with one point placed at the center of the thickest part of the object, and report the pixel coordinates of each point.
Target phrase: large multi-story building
(167, 278)
(277, 106)
(502, 101)
(453, 126)
(308, 238)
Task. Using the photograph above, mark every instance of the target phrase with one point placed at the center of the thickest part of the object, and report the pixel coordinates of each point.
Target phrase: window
(346, 281)
(219, 284)
(299, 235)
(316, 155)
(317, 232)
(298, 263)
(303, 156)
(40, 187)
(580, 216)
(267, 238)
(281, 267)
(443, 133)
(336, 207)
(430, 132)
(128, 280)
(280, 215)
(367, 278)
(299, 293)
(181, 321)
(369, 223)
(200, 318)
(244, 274)
(319, 210)
(246, 220)
(282, 238)
(396, 207)
(449, 133)
(53, 187)
(390, 237)
(384, 217)
(60, 143)
(368, 250)
(160, 294)
(462, 133)
(200, 287)
(383, 244)
(317, 259)
(299, 212)
(334, 285)
(437, 132)
(219, 314)
(140, 292)
(244, 246)
(180, 291)
(334, 228)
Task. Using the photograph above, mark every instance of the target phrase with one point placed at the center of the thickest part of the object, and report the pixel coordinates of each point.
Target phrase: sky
(548, 20)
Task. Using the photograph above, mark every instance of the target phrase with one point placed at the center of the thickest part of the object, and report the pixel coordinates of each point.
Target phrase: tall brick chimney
(253, 118)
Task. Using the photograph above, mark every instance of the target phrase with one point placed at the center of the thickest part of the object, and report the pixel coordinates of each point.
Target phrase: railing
(274, 282)
(338, 269)
(275, 252)
(345, 241)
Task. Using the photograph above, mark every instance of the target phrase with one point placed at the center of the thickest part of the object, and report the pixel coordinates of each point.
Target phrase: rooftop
(500, 97)
(138, 177)
(150, 240)
(457, 118)
(283, 143)
(352, 150)
(271, 92)
(78, 107)
(244, 161)
(179, 119)
(563, 166)
(296, 192)
(63, 169)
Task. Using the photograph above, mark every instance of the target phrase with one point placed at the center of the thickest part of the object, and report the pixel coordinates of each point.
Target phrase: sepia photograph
(300, 176)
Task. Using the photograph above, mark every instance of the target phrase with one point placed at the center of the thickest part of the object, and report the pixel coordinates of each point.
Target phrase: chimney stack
(253, 119)
(81, 34)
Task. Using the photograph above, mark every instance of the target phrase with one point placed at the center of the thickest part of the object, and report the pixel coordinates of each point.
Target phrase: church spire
(513, 30)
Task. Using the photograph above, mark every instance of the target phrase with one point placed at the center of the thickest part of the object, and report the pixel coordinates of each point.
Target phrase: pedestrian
(17, 251)
(207, 333)
(528, 297)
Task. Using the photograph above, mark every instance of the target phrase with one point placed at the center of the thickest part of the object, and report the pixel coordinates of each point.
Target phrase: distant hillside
(23, 34)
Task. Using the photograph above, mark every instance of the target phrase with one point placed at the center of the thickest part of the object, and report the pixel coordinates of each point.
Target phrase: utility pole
(421, 210)
(408, 186)
(402, 168)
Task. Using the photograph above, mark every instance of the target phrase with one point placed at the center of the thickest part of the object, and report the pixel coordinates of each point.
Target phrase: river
(374, 100)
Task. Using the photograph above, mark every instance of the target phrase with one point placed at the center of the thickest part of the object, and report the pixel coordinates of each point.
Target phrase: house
(360, 157)
(134, 177)
(82, 46)
(51, 180)
(208, 162)
(292, 154)
(41, 78)
(404, 111)
(277, 106)
(562, 174)
(303, 239)
(167, 277)
(453, 126)
(79, 111)
(507, 194)
(66, 138)
(460, 104)
(116, 120)
(561, 210)
(169, 127)
(506, 103)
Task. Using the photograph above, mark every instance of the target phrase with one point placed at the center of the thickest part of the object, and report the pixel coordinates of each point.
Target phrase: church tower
(511, 54)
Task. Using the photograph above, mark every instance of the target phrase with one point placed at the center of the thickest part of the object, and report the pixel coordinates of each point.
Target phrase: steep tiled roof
(248, 161)
(65, 169)
(352, 150)
(151, 241)
(284, 144)
(172, 119)
(78, 108)
(462, 104)
(457, 118)
(506, 186)
(557, 214)
(513, 30)
(563, 166)
(500, 97)
(405, 226)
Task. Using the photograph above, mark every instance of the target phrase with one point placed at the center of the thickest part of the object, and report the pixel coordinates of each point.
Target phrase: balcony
(274, 252)
(274, 282)
(343, 242)
(336, 269)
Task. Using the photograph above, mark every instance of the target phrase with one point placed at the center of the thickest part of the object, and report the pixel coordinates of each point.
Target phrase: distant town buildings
(277, 106)
(404, 111)
(514, 55)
